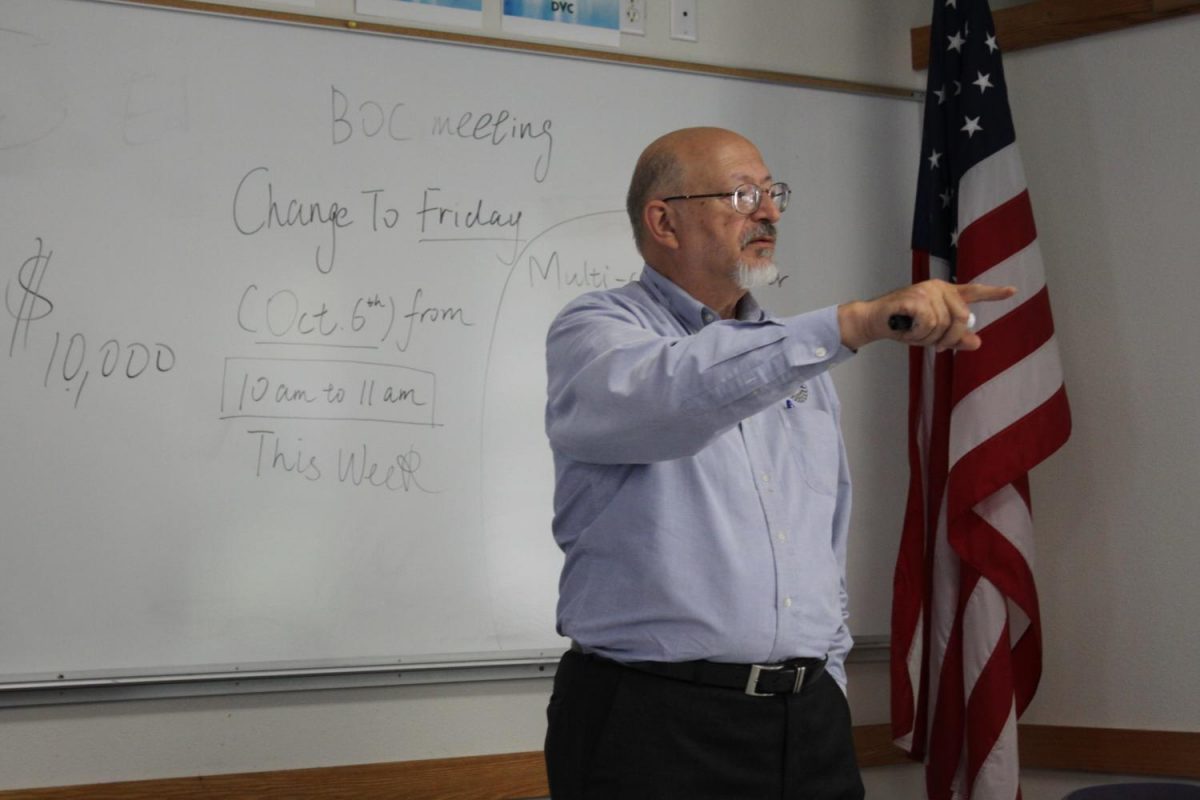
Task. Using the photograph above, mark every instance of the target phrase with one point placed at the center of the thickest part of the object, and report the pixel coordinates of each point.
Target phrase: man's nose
(767, 211)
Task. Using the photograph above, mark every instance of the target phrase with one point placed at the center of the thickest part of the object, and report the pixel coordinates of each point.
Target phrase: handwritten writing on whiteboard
(282, 316)
(359, 465)
(394, 121)
(318, 389)
(71, 360)
(260, 209)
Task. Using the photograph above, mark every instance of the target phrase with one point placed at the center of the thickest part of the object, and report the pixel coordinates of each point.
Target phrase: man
(702, 499)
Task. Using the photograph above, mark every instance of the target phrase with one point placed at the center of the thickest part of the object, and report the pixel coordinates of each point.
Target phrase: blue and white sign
(590, 21)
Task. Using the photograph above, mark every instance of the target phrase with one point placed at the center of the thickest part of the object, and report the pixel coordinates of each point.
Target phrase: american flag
(966, 636)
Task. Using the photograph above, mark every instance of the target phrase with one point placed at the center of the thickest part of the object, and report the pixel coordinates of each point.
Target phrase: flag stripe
(987, 673)
(1017, 449)
(1009, 339)
(985, 614)
(997, 235)
(1027, 664)
(996, 179)
(1021, 270)
(1007, 510)
(993, 549)
(946, 735)
(1004, 400)
(994, 779)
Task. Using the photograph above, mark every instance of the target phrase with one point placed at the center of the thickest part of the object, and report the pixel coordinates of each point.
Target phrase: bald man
(702, 498)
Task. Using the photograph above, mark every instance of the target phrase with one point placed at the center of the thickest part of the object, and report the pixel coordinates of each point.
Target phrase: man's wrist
(854, 324)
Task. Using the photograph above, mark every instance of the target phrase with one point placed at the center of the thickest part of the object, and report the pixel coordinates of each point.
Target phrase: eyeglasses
(747, 198)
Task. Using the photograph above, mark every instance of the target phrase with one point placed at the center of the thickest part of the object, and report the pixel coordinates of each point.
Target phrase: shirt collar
(691, 312)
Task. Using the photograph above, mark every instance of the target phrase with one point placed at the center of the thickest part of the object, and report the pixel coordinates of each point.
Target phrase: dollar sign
(33, 304)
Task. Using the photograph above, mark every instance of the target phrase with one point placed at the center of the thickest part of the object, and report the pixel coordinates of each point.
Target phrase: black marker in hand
(903, 322)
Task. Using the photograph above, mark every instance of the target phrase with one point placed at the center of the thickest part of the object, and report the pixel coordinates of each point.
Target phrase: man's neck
(723, 298)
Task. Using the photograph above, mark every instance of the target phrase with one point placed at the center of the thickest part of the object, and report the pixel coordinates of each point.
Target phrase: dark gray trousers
(619, 734)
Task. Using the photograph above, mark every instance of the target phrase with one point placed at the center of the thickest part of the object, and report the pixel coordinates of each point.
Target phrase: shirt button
(766, 478)
(820, 352)
(781, 536)
(707, 316)
(787, 602)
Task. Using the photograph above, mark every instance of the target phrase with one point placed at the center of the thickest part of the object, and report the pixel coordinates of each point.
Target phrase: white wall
(1107, 128)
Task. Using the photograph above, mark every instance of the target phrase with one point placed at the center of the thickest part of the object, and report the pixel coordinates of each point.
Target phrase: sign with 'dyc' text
(592, 21)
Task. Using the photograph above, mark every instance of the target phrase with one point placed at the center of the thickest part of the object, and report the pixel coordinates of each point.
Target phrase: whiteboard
(272, 367)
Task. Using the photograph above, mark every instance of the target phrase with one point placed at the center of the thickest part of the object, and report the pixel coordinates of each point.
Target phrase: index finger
(982, 292)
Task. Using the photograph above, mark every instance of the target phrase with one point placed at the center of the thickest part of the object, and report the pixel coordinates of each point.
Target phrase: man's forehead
(741, 164)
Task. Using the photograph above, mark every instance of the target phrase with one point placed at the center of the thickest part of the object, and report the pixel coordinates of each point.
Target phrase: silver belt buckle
(757, 669)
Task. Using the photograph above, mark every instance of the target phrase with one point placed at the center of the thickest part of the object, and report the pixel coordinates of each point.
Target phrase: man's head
(705, 244)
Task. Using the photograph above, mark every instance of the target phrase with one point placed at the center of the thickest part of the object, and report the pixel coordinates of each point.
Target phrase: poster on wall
(466, 13)
(589, 21)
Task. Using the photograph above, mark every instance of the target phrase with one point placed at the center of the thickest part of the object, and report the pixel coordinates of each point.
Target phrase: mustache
(761, 230)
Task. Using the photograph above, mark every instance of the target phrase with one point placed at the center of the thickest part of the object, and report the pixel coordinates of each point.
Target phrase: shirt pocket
(813, 440)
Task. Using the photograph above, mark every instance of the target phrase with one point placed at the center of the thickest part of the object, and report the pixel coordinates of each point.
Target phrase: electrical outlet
(683, 20)
(633, 17)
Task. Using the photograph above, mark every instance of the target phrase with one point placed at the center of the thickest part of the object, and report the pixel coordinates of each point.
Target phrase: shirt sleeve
(620, 393)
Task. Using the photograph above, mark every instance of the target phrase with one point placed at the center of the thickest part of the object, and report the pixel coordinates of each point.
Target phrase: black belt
(761, 680)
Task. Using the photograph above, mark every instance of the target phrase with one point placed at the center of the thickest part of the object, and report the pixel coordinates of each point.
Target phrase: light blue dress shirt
(702, 495)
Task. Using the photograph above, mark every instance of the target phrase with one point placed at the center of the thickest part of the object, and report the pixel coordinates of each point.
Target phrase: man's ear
(659, 220)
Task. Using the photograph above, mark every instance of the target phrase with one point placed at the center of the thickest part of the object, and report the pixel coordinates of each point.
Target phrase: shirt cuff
(816, 338)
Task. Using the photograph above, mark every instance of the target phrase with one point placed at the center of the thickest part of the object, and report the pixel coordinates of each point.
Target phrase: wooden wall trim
(1116, 751)
(1173, 754)
(1047, 21)
(520, 776)
(512, 776)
